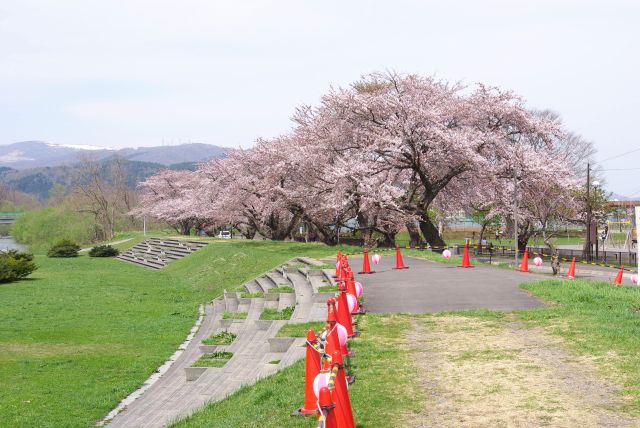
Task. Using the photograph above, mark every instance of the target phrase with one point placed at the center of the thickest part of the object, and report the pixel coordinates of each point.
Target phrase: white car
(224, 234)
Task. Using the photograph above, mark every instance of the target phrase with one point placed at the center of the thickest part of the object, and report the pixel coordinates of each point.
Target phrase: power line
(620, 155)
(617, 169)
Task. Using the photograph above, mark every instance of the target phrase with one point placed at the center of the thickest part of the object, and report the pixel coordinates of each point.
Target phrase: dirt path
(499, 373)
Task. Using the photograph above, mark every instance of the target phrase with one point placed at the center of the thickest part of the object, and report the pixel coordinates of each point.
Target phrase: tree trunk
(431, 234)
(482, 230)
(415, 240)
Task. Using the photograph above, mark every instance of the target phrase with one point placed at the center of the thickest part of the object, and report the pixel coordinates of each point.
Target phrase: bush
(15, 265)
(64, 248)
(103, 251)
(43, 228)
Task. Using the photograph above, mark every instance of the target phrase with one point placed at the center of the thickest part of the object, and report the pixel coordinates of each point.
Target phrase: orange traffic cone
(333, 339)
(338, 263)
(399, 261)
(524, 266)
(351, 289)
(466, 263)
(618, 279)
(327, 418)
(571, 273)
(366, 268)
(312, 368)
(343, 315)
(344, 414)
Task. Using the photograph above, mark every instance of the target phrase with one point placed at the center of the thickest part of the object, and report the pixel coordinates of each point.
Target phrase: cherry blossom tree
(388, 151)
(169, 196)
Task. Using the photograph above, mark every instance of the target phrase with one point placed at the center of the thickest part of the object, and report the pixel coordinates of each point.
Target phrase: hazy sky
(135, 73)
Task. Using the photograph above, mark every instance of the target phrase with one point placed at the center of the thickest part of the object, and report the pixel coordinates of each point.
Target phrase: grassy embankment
(82, 333)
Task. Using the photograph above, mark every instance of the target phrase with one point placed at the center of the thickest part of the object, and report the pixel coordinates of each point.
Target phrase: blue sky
(139, 73)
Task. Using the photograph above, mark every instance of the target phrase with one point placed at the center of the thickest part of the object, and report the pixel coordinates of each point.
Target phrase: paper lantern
(537, 261)
(376, 259)
(321, 381)
(342, 334)
(351, 302)
(359, 289)
(446, 254)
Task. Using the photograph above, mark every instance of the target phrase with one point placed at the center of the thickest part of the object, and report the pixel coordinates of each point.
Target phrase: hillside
(39, 154)
(34, 167)
(38, 181)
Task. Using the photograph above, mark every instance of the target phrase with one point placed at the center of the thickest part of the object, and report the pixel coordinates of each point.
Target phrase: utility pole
(588, 240)
(635, 226)
(515, 213)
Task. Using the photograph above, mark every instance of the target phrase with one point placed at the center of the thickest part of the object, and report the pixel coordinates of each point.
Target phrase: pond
(7, 243)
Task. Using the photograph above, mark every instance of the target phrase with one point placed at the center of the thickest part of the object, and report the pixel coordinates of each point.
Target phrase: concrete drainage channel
(255, 351)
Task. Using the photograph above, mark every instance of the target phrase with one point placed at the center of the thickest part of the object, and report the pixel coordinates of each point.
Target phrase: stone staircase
(156, 253)
(257, 352)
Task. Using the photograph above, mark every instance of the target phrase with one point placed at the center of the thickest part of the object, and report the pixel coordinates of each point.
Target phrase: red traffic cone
(333, 339)
(618, 279)
(344, 414)
(524, 266)
(571, 273)
(399, 261)
(338, 263)
(366, 268)
(312, 368)
(344, 316)
(327, 406)
(351, 289)
(466, 263)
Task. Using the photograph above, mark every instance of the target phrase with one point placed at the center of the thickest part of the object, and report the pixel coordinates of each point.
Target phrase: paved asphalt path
(434, 287)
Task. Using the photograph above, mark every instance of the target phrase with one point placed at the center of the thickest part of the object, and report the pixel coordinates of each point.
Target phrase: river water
(7, 243)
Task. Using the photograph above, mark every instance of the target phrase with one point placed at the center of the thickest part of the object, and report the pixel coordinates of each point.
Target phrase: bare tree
(103, 192)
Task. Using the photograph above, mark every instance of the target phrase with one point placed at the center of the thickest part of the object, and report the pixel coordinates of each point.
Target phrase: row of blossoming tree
(388, 153)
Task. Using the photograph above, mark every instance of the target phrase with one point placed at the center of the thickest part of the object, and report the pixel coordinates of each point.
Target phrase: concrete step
(253, 287)
(265, 283)
(231, 302)
(286, 300)
(156, 253)
(328, 274)
(276, 278)
(244, 304)
(255, 309)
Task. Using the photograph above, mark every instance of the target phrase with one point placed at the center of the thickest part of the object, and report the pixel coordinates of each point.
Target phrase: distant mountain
(38, 154)
(38, 181)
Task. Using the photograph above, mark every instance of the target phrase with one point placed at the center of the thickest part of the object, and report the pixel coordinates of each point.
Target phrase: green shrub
(64, 248)
(15, 265)
(103, 251)
(42, 228)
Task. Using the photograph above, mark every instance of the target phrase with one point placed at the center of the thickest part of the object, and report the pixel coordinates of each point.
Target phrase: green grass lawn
(596, 319)
(83, 333)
